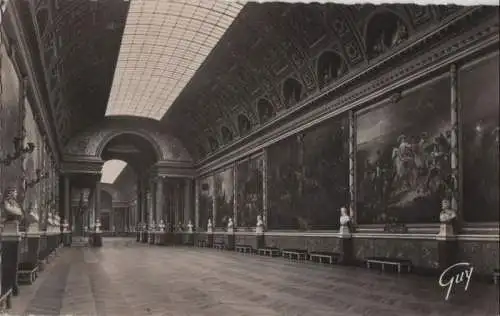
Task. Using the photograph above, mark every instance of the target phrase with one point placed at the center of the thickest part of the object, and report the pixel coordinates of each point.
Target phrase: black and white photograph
(241, 158)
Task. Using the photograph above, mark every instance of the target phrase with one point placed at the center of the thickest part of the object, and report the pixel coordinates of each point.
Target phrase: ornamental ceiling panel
(163, 45)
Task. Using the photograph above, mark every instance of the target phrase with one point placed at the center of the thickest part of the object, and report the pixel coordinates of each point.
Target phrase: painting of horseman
(403, 163)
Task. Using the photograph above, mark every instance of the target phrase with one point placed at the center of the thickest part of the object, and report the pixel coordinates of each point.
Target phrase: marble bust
(345, 221)
(161, 226)
(65, 225)
(209, 225)
(230, 225)
(447, 214)
(97, 225)
(32, 218)
(260, 225)
(152, 226)
(11, 211)
(190, 226)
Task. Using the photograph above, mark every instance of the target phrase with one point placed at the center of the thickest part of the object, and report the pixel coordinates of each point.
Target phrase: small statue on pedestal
(447, 218)
(161, 226)
(97, 225)
(259, 229)
(65, 226)
(152, 226)
(57, 223)
(179, 227)
(230, 225)
(11, 211)
(190, 226)
(50, 222)
(32, 219)
(209, 225)
(345, 222)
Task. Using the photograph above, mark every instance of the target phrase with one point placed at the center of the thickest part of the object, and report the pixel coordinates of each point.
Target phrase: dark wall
(483, 255)
(480, 105)
(404, 180)
(309, 177)
(224, 184)
(250, 191)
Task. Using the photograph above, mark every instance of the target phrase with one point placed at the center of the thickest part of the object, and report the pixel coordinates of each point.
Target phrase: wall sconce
(19, 150)
(39, 177)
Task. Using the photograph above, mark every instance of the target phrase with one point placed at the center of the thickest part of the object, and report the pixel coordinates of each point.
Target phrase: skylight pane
(170, 39)
(112, 168)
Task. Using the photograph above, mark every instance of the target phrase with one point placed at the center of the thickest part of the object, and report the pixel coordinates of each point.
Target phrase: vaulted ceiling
(272, 58)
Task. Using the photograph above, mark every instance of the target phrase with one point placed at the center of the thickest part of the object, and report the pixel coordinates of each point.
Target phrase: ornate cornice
(458, 47)
(82, 167)
(173, 169)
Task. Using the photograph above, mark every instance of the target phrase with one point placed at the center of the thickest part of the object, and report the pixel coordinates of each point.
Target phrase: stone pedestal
(96, 239)
(260, 241)
(189, 239)
(138, 236)
(346, 248)
(144, 236)
(230, 241)
(33, 236)
(67, 239)
(447, 246)
(151, 237)
(210, 240)
(11, 239)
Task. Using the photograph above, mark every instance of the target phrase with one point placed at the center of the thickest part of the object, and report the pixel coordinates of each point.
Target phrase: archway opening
(384, 31)
(292, 91)
(330, 67)
(265, 110)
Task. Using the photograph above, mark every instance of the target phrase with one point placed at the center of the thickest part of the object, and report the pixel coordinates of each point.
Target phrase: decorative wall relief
(224, 195)
(309, 177)
(206, 210)
(480, 110)
(403, 157)
(250, 191)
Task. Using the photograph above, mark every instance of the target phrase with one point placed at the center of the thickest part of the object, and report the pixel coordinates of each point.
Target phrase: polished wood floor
(126, 278)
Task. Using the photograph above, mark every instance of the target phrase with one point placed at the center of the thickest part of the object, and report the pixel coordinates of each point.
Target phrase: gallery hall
(233, 158)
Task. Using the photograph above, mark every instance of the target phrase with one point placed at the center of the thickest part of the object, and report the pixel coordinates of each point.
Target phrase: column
(149, 206)
(264, 187)
(455, 203)
(187, 201)
(112, 219)
(97, 201)
(197, 204)
(67, 200)
(159, 199)
(235, 195)
(352, 166)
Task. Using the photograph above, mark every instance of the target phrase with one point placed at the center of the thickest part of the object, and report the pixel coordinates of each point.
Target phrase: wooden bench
(329, 257)
(297, 254)
(219, 245)
(382, 261)
(5, 301)
(202, 243)
(268, 251)
(496, 276)
(243, 248)
(27, 273)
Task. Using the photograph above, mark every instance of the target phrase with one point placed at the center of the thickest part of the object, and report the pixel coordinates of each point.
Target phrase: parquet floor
(127, 278)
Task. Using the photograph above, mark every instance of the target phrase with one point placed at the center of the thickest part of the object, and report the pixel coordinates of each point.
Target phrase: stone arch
(330, 66)
(384, 30)
(227, 134)
(91, 143)
(292, 91)
(265, 110)
(244, 125)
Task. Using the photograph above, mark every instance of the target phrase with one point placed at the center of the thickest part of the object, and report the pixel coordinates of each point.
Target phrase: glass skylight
(163, 45)
(111, 170)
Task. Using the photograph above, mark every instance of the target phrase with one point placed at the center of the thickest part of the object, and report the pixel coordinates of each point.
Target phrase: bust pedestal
(447, 246)
(230, 240)
(11, 239)
(144, 235)
(33, 236)
(346, 247)
(138, 235)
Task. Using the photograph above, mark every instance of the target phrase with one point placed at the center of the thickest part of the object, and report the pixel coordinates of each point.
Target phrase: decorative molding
(460, 47)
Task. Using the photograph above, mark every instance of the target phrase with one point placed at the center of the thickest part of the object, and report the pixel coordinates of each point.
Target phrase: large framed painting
(224, 195)
(309, 177)
(249, 191)
(480, 134)
(403, 168)
(206, 205)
